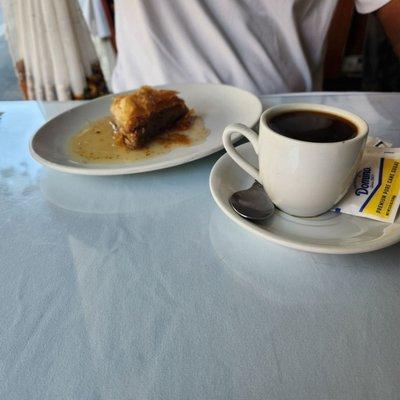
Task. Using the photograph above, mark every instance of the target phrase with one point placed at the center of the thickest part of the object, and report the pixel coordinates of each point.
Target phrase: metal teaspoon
(252, 203)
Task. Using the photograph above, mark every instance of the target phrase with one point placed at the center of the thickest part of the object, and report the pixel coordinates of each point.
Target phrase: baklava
(146, 113)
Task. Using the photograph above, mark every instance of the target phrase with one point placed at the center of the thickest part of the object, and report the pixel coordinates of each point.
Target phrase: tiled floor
(9, 89)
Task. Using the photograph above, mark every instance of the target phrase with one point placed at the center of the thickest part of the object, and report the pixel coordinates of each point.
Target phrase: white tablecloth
(138, 287)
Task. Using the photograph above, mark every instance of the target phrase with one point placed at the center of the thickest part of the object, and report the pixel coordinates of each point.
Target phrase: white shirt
(265, 46)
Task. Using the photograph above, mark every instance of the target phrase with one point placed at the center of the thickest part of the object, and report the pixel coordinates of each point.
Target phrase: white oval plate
(329, 233)
(219, 105)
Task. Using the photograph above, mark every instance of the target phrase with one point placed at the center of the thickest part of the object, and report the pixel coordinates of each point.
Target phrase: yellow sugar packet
(375, 192)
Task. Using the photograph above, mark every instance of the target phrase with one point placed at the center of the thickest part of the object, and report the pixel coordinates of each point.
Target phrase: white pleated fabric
(51, 47)
(96, 20)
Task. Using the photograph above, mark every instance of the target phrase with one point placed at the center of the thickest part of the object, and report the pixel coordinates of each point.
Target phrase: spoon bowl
(253, 203)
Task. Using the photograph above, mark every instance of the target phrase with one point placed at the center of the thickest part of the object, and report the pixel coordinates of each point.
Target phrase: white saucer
(329, 233)
(218, 105)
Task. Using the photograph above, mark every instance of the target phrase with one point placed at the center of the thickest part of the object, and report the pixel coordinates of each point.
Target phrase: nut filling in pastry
(147, 113)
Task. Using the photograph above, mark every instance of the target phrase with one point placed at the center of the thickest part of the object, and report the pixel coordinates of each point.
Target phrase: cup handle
(253, 139)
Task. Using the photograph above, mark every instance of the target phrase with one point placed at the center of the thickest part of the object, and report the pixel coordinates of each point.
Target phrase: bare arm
(389, 16)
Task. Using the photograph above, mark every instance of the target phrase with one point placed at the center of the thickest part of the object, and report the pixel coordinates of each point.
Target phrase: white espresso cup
(302, 178)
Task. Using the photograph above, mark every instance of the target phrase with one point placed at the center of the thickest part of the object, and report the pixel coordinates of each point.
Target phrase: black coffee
(313, 126)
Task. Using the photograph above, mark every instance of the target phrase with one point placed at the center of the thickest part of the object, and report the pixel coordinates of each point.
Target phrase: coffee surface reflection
(311, 126)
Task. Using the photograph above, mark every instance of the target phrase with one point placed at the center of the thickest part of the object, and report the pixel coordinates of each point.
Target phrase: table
(138, 287)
